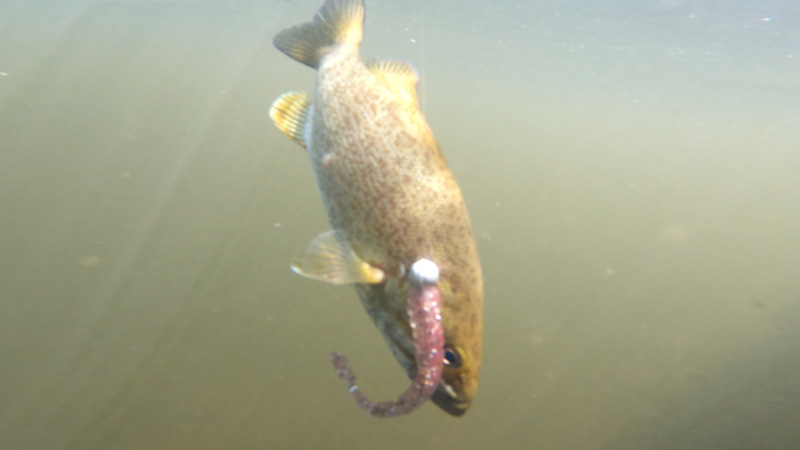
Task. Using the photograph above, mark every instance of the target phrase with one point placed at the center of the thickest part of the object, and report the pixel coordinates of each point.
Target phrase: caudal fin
(337, 22)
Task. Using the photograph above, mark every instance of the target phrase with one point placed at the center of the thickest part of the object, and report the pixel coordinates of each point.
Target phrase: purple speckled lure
(426, 323)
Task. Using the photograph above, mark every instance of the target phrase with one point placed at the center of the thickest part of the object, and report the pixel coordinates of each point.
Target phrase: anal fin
(290, 113)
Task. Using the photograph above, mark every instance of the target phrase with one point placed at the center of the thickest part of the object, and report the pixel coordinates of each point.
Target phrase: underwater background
(632, 170)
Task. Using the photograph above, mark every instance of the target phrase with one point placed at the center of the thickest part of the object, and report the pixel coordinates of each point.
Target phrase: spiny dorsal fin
(330, 258)
(290, 114)
(337, 22)
(400, 77)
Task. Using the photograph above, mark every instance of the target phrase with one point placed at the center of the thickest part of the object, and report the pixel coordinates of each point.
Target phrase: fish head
(461, 321)
(459, 382)
(462, 324)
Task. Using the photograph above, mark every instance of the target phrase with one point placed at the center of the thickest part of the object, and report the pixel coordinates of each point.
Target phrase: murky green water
(631, 170)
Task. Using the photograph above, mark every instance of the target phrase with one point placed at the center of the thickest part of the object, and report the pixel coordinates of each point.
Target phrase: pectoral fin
(330, 258)
(290, 114)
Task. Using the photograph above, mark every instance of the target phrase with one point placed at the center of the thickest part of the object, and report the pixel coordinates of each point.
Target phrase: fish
(392, 202)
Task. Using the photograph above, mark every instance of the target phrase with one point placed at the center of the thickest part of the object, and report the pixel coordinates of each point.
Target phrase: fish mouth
(444, 396)
(453, 406)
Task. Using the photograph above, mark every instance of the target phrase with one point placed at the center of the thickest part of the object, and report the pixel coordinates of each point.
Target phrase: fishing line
(422, 42)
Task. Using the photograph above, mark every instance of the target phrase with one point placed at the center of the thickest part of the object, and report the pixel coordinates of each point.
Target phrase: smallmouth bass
(391, 200)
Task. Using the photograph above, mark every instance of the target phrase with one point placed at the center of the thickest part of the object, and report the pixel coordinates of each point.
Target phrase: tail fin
(337, 22)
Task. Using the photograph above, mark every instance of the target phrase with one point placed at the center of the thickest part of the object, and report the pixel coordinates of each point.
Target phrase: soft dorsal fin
(400, 77)
(330, 258)
(290, 114)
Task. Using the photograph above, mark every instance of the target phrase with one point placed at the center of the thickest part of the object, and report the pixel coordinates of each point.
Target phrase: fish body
(388, 193)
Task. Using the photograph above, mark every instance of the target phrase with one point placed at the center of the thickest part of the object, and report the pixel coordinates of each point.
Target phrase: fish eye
(452, 358)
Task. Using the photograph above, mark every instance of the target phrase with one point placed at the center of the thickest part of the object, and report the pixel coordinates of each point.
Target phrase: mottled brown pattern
(386, 185)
